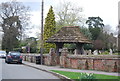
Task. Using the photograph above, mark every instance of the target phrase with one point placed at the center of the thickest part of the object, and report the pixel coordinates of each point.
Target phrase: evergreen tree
(95, 25)
(49, 29)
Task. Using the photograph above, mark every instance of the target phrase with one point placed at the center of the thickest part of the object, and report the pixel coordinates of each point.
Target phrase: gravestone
(110, 52)
(89, 52)
(75, 52)
(99, 52)
(95, 52)
(85, 52)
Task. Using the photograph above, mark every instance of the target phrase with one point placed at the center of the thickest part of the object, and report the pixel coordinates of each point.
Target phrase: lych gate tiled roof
(69, 35)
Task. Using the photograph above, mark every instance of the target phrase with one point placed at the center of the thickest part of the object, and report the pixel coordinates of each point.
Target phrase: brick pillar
(23, 57)
(115, 67)
(52, 58)
(63, 57)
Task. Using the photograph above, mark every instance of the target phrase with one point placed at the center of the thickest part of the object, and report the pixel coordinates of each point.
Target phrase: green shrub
(105, 53)
(17, 49)
(87, 77)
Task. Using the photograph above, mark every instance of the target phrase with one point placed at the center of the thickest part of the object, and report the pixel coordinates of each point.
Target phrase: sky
(106, 9)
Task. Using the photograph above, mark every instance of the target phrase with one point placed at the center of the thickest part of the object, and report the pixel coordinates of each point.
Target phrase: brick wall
(109, 63)
(100, 63)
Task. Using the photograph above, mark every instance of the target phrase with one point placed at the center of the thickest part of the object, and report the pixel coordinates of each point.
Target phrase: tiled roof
(69, 34)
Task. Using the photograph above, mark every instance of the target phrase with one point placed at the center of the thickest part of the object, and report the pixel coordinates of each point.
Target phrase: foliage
(95, 25)
(32, 44)
(33, 50)
(14, 17)
(102, 39)
(38, 45)
(95, 22)
(70, 46)
(87, 77)
(22, 44)
(95, 32)
(88, 46)
(105, 41)
(105, 53)
(10, 33)
(49, 29)
(29, 43)
(17, 49)
(86, 32)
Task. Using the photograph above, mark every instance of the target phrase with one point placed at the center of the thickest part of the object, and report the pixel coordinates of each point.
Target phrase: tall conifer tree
(49, 29)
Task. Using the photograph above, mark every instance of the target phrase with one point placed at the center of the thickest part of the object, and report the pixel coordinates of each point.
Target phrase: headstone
(95, 52)
(75, 52)
(85, 52)
(99, 52)
(89, 52)
(110, 52)
(60, 50)
(82, 51)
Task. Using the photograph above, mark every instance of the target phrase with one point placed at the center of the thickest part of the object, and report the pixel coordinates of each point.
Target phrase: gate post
(63, 57)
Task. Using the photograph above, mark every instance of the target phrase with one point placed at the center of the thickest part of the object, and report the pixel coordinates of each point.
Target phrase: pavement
(0, 70)
(48, 68)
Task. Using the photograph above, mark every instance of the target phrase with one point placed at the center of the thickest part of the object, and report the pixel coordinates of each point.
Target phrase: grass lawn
(75, 75)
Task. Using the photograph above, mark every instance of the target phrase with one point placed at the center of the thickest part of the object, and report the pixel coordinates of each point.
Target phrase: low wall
(30, 57)
(101, 63)
(109, 63)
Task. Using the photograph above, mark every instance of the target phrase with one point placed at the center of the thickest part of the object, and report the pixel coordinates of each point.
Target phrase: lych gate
(70, 34)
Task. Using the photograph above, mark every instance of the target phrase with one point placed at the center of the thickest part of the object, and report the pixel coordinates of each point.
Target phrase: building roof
(70, 34)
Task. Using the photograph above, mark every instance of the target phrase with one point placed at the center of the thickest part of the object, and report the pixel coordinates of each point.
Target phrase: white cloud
(35, 17)
(21, 0)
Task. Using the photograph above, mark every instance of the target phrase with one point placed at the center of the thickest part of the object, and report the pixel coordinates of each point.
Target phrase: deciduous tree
(68, 15)
(14, 18)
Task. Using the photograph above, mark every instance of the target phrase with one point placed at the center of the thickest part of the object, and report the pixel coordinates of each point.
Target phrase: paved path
(48, 68)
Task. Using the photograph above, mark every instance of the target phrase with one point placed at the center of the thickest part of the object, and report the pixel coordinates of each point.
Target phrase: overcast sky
(106, 9)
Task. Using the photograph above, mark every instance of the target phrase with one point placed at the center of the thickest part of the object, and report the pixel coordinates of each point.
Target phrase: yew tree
(49, 29)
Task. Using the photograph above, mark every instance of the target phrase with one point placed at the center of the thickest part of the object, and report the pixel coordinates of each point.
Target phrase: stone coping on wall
(33, 54)
(77, 56)
(117, 57)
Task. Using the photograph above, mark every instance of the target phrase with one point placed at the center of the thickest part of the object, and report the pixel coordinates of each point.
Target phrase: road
(20, 71)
